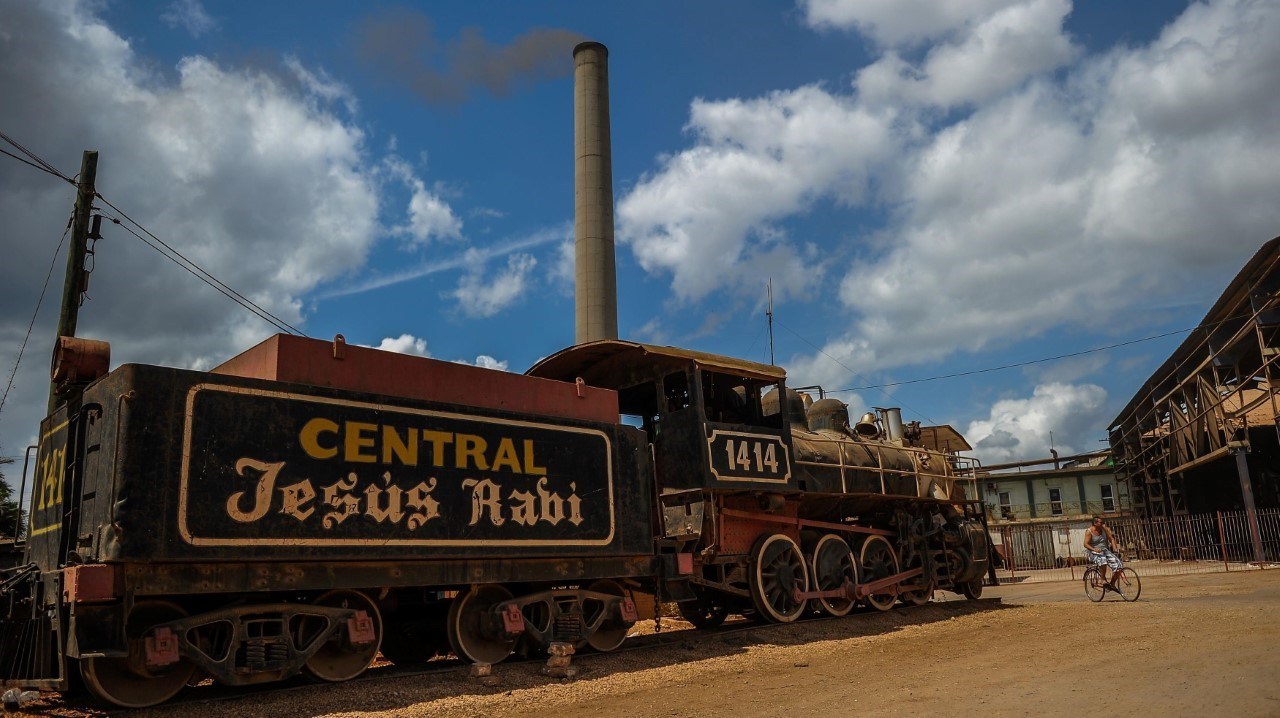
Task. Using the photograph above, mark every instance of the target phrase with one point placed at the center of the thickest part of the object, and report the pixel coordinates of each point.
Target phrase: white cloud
(416, 346)
(484, 361)
(405, 344)
(1048, 196)
(706, 215)
(481, 293)
(1018, 429)
(429, 216)
(319, 84)
(244, 171)
(896, 22)
(997, 54)
(189, 15)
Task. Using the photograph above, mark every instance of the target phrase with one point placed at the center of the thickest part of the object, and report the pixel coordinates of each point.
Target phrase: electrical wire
(1042, 360)
(52, 263)
(201, 274)
(851, 371)
(226, 291)
(173, 254)
(40, 164)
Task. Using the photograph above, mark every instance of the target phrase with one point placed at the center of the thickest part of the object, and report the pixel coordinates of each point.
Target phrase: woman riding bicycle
(1101, 546)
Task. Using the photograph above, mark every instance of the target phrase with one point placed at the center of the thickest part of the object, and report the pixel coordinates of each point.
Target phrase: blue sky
(933, 187)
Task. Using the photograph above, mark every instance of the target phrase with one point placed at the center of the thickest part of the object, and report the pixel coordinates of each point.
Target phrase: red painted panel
(89, 583)
(289, 358)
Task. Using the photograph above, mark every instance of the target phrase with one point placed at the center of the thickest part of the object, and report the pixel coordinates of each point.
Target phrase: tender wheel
(612, 631)
(470, 628)
(972, 590)
(832, 566)
(128, 682)
(777, 570)
(341, 658)
(1093, 585)
(879, 561)
(1129, 584)
(919, 596)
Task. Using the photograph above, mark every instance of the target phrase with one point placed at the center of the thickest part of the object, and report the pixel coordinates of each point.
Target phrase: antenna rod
(769, 313)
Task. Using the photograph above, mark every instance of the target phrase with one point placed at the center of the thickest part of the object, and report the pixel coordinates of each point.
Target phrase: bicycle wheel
(1128, 584)
(1093, 584)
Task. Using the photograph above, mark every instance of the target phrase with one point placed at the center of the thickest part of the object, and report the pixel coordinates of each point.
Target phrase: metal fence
(1200, 543)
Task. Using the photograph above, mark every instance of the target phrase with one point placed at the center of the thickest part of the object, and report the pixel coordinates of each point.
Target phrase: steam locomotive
(309, 504)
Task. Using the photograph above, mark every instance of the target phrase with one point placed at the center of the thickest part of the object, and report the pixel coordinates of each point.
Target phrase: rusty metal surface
(79, 360)
(595, 361)
(300, 360)
(235, 469)
(189, 578)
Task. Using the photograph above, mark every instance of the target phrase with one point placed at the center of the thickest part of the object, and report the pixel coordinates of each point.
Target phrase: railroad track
(675, 633)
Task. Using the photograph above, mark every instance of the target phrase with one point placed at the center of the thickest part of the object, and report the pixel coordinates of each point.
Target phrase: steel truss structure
(1202, 433)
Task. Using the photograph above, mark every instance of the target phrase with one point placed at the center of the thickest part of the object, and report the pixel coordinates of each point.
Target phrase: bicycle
(1125, 582)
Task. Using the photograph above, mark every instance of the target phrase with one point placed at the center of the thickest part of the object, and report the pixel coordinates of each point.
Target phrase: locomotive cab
(702, 412)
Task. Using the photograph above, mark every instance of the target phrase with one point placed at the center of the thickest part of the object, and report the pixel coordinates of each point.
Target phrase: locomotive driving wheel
(832, 566)
(777, 570)
(879, 561)
(471, 629)
(348, 652)
(919, 596)
(613, 630)
(128, 681)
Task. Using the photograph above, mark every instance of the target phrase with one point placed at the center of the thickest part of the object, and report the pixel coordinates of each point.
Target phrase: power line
(1015, 365)
(851, 371)
(203, 275)
(39, 163)
(172, 254)
(1041, 360)
(52, 263)
(226, 291)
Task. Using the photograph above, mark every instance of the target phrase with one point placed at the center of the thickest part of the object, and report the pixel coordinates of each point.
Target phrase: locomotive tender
(308, 504)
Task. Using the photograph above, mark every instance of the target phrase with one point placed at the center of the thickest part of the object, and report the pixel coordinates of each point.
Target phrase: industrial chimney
(595, 286)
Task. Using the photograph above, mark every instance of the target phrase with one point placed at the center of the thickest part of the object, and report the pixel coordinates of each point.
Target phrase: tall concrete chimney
(595, 285)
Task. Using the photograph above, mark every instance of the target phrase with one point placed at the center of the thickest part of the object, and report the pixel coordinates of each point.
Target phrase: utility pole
(769, 313)
(74, 284)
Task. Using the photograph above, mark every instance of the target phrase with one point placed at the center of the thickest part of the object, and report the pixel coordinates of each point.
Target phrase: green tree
(11, 519)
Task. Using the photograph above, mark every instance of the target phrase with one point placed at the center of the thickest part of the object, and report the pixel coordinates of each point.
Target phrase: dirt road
(1193, 645)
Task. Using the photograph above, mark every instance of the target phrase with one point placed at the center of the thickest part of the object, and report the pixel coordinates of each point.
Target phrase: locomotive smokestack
(595, 285)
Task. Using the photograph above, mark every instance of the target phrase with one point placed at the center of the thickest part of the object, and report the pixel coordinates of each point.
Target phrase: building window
(1055, 502)
(1006, 509)
(1108, 499)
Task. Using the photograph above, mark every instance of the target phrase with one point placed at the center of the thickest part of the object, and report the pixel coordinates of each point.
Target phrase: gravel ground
(1193, 645)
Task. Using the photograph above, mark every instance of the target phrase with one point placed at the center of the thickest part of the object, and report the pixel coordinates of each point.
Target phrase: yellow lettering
(437, 439)
(530, 466)
(261, 494)
(523, 510)
(506, 456)
(343, 503)
(575, 505)
(295, 497)
(357, 439)
(309, 437)
(419, 497)
(484, 501)
(406, 451)
(550, 503)
(373, 503)
(471, 447)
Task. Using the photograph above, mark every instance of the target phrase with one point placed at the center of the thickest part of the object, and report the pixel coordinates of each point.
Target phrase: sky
(932, 187)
